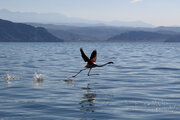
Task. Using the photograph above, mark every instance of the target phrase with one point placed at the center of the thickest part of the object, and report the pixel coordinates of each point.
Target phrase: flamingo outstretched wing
(90, 63)
(85, 58)
(93, 56)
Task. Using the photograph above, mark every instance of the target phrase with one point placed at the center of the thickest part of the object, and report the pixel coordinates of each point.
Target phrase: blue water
(143, 83)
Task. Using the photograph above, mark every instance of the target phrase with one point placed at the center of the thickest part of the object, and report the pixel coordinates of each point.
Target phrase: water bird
(90, 63)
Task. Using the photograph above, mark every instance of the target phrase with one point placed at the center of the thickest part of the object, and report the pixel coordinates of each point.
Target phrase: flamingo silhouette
(90, 63)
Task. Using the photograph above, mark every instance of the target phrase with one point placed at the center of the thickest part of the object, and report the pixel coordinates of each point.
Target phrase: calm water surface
(143, 82)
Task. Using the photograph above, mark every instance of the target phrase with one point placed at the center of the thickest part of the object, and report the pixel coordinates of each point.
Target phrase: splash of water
(10, 77)
(38, 77)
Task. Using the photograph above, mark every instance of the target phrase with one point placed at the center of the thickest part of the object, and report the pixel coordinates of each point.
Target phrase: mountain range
(60, 19)
(19, 32)
(36, 32)
(112, 34)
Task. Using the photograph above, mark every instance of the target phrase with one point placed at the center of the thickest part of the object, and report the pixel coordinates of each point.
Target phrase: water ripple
(143, 83)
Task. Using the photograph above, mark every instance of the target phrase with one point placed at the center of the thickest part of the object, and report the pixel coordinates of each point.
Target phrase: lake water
(143, 83)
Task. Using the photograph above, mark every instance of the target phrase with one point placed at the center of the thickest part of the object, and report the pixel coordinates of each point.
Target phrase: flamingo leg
(89, 71)
(78, 72)
(91, 74)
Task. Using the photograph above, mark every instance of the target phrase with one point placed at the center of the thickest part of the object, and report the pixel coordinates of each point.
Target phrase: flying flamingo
(90, 63)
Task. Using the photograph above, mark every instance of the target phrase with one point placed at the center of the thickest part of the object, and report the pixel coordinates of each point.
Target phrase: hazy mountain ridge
(175, 38)
(140, 36)
(19, 32)
(109, 33)
(60, 19)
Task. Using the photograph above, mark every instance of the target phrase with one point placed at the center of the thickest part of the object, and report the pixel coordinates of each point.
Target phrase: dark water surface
(144, 82)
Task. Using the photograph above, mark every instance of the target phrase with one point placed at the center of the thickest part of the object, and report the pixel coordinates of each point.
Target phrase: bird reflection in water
(87, 103)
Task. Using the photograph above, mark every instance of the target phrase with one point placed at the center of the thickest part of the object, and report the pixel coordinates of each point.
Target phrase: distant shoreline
(20, 32)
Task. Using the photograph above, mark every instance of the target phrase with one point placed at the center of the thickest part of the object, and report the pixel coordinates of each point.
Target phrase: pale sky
(156, 12)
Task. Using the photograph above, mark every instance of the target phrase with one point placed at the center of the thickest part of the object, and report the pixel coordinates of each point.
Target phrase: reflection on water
(38, 82)
(88, 98)
(143, 84)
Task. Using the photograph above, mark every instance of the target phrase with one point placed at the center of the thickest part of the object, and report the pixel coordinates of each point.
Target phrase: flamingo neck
(103, 64)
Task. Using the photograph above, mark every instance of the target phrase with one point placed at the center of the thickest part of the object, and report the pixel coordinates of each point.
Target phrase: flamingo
(90, 63)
